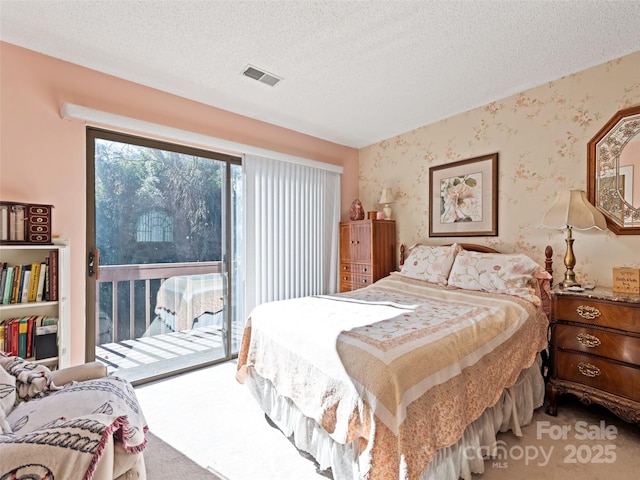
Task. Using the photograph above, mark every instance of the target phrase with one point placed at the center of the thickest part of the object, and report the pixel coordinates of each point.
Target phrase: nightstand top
(600, 293)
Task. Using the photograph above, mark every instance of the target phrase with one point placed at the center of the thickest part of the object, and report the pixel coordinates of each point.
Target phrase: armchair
(74, 423)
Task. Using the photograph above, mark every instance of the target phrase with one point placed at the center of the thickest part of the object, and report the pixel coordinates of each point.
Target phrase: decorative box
(626, 280)
(25, 223)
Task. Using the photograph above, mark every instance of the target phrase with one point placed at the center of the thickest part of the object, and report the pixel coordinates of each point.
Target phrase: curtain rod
(91, 115)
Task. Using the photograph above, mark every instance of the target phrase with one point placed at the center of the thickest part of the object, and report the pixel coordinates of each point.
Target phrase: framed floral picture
(464, 198)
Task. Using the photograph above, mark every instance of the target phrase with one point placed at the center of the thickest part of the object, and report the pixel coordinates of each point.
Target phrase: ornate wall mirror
(613, 172)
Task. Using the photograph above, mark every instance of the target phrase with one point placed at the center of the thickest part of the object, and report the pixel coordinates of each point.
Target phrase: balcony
(158, 319)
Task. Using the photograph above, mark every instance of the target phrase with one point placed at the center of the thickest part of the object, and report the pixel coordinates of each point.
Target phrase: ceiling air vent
(261, 76)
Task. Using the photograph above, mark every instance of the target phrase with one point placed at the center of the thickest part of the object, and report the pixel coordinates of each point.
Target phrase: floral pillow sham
(430, 263)
(510, 274)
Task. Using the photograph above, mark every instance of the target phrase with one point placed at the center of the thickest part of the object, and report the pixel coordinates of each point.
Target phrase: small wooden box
(626, 280)
(25, 223)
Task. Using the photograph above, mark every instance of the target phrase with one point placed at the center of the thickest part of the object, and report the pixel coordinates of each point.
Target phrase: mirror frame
(592, 162)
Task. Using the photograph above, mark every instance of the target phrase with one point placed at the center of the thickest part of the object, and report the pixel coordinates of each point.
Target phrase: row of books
(29, 337)
(34, 282)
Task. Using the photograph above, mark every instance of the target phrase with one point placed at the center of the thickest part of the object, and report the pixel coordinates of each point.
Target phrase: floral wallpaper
(541, 138)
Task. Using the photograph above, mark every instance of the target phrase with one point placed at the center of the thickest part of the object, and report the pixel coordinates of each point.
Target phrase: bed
(410, 377)
(183, 300)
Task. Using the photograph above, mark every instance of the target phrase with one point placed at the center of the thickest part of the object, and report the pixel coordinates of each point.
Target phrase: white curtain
(292, 216)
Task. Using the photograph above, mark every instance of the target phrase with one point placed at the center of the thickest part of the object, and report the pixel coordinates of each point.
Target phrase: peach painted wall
(42, 157)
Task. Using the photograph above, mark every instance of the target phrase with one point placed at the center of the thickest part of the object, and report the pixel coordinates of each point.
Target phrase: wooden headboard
(473, 247)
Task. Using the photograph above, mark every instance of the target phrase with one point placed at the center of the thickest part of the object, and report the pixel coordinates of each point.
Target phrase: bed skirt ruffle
(514, 409)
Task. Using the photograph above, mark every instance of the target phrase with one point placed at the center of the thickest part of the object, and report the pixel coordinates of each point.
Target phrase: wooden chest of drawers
(595, 351)
(367, 252)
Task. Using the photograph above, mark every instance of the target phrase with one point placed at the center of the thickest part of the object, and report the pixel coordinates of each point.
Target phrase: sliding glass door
(164, 236)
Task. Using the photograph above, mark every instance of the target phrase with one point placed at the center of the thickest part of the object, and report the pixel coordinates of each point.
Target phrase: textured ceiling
(355, 72)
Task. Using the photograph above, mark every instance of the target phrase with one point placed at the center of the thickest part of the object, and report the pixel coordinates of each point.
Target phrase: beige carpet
(213, 420)
(582, 442)
(164, 462)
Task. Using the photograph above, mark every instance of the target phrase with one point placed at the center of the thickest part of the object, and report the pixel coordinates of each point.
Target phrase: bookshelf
(22, 254)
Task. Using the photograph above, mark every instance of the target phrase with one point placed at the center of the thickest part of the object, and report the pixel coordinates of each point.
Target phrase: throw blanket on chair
(20, 380)
(64, 433)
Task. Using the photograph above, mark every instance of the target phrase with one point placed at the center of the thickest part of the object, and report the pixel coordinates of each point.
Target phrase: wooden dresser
(595, 350)
(367, 252)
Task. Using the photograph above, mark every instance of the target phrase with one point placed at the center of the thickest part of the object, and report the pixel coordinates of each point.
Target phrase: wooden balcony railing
(142, 283)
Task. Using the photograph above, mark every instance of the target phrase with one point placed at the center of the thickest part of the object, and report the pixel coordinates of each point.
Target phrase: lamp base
(568, 282)
(569, 263)
(387, 212)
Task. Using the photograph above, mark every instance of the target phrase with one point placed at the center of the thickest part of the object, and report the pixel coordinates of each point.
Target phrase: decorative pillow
(431, 264)
(496, 273)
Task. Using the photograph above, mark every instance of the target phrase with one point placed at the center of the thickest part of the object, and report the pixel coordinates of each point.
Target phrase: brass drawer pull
(585, 311)
(589, 341)
(588, 370)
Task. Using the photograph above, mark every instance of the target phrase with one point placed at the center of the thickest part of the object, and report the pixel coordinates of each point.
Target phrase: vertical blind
(292, 215)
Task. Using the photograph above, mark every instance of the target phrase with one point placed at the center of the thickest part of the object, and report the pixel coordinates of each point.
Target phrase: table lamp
(386, 199)
(572, 210)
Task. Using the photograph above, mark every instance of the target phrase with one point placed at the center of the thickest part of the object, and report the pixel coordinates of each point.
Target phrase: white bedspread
(396, 361)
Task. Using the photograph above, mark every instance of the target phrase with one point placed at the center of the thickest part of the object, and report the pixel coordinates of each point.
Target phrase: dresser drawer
(42, 210)
(607, 344)
(597, 312)
(39, 228)
(38, 237)
(358, 268)
(599, 373)
(358, 281)
(38, 220)
(350, 287)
